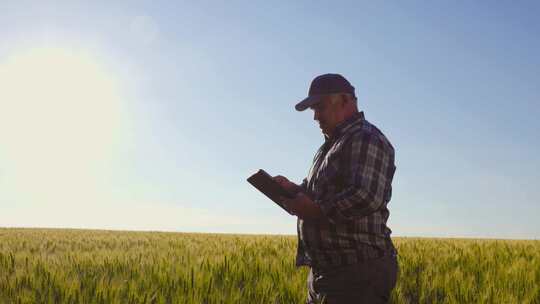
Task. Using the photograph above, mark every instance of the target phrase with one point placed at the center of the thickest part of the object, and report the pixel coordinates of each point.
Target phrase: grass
(88, 266)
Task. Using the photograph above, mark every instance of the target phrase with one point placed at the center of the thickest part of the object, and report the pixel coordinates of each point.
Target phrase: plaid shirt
(351, 180)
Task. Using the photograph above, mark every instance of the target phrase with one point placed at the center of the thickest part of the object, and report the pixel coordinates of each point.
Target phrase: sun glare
(60, 118)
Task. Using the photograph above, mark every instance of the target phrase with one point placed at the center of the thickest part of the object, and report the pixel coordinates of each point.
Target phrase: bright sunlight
(60, 118)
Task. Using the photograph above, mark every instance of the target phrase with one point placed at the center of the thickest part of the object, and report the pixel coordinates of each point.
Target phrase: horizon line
(259, 234)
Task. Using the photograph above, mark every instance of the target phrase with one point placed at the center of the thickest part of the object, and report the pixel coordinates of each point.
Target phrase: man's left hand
(303, 207)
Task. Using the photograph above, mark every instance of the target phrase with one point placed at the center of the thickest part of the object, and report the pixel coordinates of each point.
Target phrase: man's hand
(287, 184)
(303, 207)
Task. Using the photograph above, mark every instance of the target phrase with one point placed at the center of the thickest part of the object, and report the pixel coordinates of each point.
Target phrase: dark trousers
(370, 281)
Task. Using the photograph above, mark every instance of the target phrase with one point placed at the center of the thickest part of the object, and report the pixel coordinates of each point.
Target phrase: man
(342, 204)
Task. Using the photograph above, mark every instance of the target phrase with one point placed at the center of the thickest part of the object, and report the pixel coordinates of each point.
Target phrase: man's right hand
(287, 184)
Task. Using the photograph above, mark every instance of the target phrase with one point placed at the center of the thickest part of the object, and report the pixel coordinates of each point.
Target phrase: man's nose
(315, 115)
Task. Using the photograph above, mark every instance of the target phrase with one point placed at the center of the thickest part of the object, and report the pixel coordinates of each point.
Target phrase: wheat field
(91, 266)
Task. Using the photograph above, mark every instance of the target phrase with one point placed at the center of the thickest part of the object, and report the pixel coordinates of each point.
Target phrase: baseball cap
(323, 85)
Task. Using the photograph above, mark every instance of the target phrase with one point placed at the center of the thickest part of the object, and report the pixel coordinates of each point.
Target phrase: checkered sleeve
(370, 163)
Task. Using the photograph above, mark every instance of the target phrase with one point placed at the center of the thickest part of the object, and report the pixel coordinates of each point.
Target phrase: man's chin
(324, 131)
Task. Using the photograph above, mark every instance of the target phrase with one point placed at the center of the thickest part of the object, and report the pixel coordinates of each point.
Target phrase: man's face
(328, 114)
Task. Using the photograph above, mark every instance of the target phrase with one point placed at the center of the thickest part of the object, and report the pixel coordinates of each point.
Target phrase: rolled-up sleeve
(367, 181)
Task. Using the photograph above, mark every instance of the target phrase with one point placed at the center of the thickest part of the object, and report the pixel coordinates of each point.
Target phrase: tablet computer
(269, 187)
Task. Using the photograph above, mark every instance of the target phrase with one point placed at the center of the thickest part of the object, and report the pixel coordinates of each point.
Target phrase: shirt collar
(346, 124)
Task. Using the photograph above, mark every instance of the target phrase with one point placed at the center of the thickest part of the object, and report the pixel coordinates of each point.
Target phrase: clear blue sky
(152, 114)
